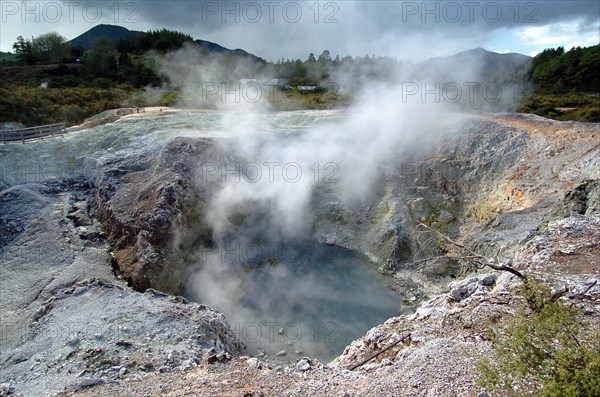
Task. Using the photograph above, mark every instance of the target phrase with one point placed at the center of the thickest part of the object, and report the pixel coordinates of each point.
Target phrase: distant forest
(556, 71)
(127, 61)
(81, 82)
(565, 85)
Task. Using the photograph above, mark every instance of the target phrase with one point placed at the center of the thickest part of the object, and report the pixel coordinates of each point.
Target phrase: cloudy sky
(410, 30)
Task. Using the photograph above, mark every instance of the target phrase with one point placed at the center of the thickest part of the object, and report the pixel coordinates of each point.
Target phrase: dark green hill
(7, 59)
(555, 71)
(481, 65)
(116, 33)
(219, 49)
(112, 32)
(565, 85)
(7, 56)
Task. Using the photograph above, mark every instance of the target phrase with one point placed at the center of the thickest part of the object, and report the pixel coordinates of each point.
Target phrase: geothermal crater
(340, 258)
(213, 236)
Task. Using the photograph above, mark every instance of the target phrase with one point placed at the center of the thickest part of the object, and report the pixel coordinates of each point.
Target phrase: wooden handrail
(29, 133)
(35, 128)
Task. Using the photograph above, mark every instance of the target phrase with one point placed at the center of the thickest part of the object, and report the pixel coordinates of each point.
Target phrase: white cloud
(374, 27)
(566, 34)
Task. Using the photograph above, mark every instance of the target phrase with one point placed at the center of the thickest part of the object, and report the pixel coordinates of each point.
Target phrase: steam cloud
(269, 206)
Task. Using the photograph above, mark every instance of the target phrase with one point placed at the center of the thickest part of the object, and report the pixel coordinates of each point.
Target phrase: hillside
(478, 65)
(492, 61)
(7, 57)
(107, 74)
(565, 85)
(116, 33)
(556, 71)
(477, 69)
(215, 48)
(113, 32)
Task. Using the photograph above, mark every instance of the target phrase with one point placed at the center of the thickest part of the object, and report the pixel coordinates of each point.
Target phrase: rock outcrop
(143, 202)
(98, 331)
(67, 321)
(438, 345)
(490, 184)
(515, 188)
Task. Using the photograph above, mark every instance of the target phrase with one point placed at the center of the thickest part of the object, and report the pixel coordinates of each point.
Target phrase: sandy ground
(112, 116)
(152, 111)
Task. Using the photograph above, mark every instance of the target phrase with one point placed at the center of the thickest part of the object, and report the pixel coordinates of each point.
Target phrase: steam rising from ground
(263, 204)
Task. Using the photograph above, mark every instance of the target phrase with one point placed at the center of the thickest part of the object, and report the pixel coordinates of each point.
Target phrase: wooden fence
(26, 134)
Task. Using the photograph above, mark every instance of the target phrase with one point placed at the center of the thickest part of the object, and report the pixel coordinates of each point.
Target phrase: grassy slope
(574, 106)
(35, 106)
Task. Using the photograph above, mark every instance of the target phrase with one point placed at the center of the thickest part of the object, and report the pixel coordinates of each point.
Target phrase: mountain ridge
(116, 32)
(113, 32)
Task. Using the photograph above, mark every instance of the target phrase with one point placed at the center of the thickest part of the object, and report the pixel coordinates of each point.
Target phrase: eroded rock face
(489, 184)
(143, 201)
(583, 199)
(447, 333)
(97, 330)
(67, 321)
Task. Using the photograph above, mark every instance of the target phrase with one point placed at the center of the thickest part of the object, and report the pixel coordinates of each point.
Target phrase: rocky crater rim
(515, 188)
(489, 183)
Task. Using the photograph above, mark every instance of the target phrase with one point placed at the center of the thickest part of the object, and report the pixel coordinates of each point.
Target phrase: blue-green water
(77, 153)
(321, 297)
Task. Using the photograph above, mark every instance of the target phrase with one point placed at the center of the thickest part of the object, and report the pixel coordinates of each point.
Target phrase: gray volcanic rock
(101, 331)
(44, 254)
(447, 335)
(67, 321)
(583, 199)
(490, 184)
(141, 202)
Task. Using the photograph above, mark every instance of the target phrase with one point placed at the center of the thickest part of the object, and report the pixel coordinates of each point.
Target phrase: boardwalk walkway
(27, 134)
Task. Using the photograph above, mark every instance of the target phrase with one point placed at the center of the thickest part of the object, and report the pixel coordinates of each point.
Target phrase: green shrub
(73, 114)
(592, 115)
(586, 106)
(169, 98)
(103, 82)
(545, 350)
(36, 106)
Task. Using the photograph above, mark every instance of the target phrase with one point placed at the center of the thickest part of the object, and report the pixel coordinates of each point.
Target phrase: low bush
(545, 350)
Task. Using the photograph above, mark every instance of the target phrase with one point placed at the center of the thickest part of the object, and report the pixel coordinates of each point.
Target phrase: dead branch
(366, 360)
(506, 269)
(580, 294)
(472, 258)
(452, 257)
(555, 296)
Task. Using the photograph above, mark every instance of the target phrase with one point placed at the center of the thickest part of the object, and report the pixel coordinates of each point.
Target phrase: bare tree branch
(366, 360)
(471, 257)
(506, 269)
(579, 295)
